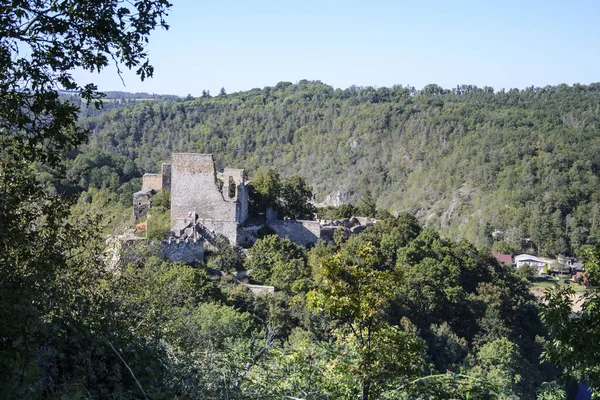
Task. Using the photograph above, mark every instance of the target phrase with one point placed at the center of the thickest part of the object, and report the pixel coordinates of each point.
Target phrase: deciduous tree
(357, 295)
(296, 197)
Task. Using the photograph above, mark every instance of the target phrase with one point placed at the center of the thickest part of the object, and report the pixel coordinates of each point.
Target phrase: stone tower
(220, 201)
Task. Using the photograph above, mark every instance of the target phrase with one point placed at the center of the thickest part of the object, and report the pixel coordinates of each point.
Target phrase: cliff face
(336, 198)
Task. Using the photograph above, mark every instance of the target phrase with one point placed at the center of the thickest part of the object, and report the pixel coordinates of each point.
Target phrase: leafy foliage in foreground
(573, 343)
(345, 323)
(290, 198)
(403, 304)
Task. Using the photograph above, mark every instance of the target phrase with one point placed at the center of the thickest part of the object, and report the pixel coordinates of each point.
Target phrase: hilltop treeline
(467, 161)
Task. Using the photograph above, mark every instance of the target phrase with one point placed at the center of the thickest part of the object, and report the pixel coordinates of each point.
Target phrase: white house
(533, 261)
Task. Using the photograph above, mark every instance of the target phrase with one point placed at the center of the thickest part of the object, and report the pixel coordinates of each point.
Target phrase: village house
(536, 263)
(503, 259)
(572, 264)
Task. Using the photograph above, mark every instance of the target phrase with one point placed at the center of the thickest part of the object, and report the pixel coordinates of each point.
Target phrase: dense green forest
(466, 161)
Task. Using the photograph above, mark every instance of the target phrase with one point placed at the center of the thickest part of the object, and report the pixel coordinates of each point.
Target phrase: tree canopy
(58, 334)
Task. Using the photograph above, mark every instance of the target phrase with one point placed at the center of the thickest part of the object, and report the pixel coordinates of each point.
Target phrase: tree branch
(127, 365)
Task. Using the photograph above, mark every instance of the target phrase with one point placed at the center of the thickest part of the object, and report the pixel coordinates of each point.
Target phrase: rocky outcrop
(336, 198)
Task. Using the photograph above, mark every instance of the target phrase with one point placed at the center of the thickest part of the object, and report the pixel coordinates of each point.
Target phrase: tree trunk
(365, 390)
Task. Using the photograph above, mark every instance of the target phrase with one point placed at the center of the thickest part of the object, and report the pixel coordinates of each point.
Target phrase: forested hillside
(466, 161)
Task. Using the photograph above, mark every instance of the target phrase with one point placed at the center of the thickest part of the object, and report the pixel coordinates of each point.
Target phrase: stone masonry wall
(229, 229)
(242, 208)
(152, 182)
(236, 173)
(194, 187)
(303, 233)
(160, 181)
(188, 251)
(141, 203)
(165, 171)
(238, 178)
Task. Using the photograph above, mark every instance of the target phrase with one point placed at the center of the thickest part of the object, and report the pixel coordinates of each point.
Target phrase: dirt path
(575, 301)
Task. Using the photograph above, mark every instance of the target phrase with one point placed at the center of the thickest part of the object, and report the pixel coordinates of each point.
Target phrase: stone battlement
(192, 163)
(188, 251)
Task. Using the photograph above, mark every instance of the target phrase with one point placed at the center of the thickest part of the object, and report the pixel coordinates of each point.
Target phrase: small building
(534, 262)
(572, 264)
(503, 258)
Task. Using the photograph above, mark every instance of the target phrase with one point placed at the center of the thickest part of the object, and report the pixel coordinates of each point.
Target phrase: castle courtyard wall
(152, 182)
(304, 233)
(230, 229)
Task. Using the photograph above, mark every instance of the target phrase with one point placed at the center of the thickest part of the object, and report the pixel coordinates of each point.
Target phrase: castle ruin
(151, 183)
(217, 202)
(207, 205)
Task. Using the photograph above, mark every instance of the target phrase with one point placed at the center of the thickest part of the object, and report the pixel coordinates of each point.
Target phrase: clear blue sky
(241, 45)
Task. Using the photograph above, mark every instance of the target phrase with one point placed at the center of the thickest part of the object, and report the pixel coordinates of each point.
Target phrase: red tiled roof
(503, 258)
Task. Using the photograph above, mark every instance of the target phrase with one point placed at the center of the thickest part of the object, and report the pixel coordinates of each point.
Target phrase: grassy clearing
(548, 282)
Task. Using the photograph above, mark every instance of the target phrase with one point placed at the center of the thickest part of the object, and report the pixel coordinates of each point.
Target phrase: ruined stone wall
(188, 251)
(260, 289)
(194, 187)
(242, 208)
(141, 203)
(230, 229)
(303, 233)
(152, 182)
(237, 175)
(240, 192)
(160, 181)
(165, 171)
